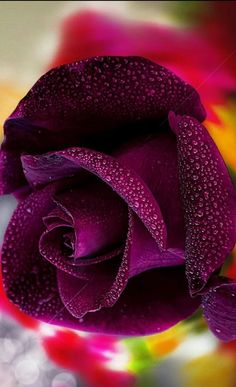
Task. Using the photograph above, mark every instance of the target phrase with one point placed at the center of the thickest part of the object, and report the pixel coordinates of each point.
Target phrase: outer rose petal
(152, 302)
(87, 33)
(7, 307)
(75, 104)
(219, 306)
(29, 280)
(209, 201)
(123, 180)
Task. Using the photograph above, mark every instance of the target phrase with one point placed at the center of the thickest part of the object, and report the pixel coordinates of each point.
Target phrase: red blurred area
(88, 357)
(219, 27)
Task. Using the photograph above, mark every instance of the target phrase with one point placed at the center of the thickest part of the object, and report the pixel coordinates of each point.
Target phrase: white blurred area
(23, 362)
(29, 30)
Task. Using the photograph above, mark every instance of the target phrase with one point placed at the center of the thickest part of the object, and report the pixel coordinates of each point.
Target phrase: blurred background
(197, 40)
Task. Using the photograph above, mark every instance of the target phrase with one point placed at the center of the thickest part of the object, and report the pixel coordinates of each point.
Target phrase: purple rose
(124, 218)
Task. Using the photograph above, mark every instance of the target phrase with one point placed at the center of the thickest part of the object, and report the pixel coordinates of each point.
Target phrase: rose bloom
(126, 209)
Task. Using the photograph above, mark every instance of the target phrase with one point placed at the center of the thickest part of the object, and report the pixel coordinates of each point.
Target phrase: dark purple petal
(151, 302)
(101, 92)
(11, 174)
(103, 287)
(98, 216)
(29, 280)
(122, 180)
(74, 104)
(155, 161)
(219, 307)
(57, 218)
(144, 252)
(50, 246)
(208, 198)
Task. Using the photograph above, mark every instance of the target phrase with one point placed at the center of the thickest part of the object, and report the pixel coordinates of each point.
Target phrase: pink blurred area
(186, 51)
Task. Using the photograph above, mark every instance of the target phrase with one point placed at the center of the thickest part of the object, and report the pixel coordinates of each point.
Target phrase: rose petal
(29, 280)
(209, 201)
(74, 103)
(98, 216)
(106, 283)
(155, 161)
(152, 302)
(123, 180)
(50, 246)
(57, 218)
(144, 253)
(219, 306)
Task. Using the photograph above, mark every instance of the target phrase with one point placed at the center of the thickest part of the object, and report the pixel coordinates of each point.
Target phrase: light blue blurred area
(7, 205)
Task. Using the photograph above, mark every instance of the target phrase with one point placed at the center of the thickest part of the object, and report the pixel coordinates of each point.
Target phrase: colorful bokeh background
(197, 40)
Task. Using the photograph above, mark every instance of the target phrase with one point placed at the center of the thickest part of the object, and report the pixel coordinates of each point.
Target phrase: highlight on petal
(121, 179)
(208, 198)
(219, 307)
(76, 104)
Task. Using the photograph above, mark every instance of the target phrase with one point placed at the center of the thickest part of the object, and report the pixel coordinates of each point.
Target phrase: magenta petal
(151, 302)
(103, 287)
(98, 215)
(219, 307)
(144, 252)
(57, 218)
(121, 179)
(208, 198)
(50, 246)
(72, 104)
(154, 159)
(101, 92)
(29, 280)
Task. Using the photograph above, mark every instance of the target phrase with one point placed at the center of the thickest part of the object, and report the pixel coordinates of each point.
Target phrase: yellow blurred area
(166, 342)
(224, 134)
(9, 98)
(213, 370)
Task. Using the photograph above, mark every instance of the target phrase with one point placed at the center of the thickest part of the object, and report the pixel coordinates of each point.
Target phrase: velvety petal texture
(209, 201)
(123, 180)
(124, 218)
(144, 253)
(154, 159)
(219, 306)
(99, 221)
(152, 302)
(29, 281)
(75, 104)
(101, 289)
